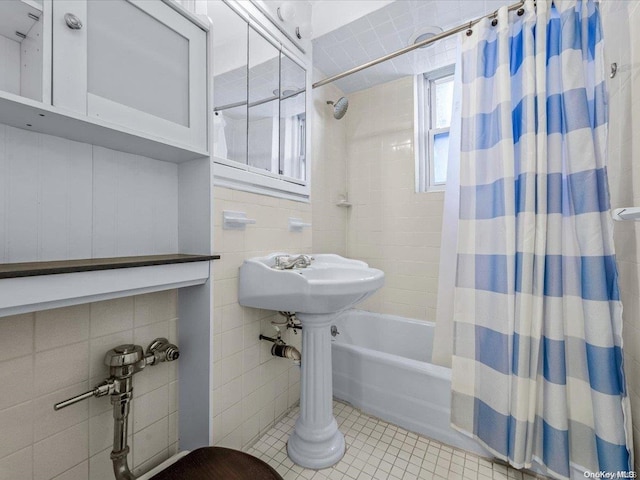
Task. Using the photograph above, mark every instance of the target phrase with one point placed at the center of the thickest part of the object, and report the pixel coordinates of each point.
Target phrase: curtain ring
(494, 21)
(469, 31)
(520, 12)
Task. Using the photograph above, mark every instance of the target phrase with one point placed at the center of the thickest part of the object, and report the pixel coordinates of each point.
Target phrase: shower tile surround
(50, 355)
(329, 184)
(391, 227)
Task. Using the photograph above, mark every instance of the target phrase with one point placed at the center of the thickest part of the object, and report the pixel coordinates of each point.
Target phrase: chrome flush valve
(123, 362)
(161, 350)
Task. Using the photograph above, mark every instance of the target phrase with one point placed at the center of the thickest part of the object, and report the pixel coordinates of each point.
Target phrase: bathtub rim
(437, 371)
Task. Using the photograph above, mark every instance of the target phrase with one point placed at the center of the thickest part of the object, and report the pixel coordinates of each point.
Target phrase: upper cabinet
(260, 103)
(130, 75)
(22, 54)
(291, 17)
(138, 64)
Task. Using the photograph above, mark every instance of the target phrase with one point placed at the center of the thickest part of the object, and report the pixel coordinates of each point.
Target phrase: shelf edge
(30, 294)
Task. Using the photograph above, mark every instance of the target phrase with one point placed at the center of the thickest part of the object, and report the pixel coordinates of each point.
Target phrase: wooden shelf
(33, 286)
(31, 115)
(31, 269)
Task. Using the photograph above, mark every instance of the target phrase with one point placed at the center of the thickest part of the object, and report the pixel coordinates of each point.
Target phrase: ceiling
(388, 29)
(325, 19)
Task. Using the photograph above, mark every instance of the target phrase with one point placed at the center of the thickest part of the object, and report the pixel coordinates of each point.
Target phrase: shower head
(339, 107)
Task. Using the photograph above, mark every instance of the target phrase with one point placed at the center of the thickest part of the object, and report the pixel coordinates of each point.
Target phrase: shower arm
(124, 361)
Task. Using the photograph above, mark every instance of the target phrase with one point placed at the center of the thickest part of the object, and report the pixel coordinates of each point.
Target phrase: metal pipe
(286, 351)
(281, 349)
(410, 48)
(124, 361)
(120, 466)
(271, 339)
(121, 406)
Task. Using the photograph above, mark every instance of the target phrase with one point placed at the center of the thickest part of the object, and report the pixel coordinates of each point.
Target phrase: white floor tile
(377, 450)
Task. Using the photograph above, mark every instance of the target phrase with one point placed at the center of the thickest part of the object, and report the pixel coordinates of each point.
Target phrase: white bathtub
(381, 365)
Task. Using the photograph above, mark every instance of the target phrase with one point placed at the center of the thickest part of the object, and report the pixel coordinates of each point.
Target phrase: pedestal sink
(316, 293)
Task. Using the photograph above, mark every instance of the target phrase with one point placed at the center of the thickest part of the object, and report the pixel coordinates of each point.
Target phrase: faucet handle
(279, 260)
(99, 391)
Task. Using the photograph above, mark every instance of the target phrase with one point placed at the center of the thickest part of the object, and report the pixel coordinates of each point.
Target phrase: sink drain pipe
(281, 349)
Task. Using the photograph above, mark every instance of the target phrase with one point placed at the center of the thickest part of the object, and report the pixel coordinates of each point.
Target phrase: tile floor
(381, 451)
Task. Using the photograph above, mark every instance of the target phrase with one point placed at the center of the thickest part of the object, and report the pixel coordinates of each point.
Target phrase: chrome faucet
(285, 262)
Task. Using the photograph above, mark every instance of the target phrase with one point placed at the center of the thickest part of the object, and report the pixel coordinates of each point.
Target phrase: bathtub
(382, 365)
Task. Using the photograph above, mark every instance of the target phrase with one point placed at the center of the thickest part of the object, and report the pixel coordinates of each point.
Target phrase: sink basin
(316, 294)
(330, 284)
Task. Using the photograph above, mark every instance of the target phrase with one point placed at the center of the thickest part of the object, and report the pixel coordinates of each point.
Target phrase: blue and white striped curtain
(537, 362)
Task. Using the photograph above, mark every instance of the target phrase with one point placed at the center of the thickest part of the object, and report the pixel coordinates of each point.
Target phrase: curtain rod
(402, 51)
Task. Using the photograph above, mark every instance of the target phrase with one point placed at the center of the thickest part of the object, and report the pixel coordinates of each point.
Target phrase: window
(434, 101)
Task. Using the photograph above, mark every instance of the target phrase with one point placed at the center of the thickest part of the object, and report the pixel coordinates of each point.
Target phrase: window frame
(425, 119)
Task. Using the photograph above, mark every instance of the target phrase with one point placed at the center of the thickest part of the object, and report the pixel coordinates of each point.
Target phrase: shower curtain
(537, 349)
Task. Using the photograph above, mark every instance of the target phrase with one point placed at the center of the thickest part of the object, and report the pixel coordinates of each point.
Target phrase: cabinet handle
(72, 21)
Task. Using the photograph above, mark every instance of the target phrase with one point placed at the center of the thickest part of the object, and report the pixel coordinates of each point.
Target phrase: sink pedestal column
(316, 441)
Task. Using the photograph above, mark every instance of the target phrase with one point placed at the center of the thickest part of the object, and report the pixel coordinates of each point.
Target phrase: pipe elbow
(286, 351)
(120, 466)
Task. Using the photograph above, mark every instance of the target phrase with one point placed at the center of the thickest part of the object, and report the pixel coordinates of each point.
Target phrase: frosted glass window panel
(444, 103)
(137, 61)
(440, 157)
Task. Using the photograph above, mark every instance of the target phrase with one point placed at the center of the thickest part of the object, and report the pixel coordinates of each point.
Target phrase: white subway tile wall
(329, 164)
(391, 227)
(252, 389)
(622, 46)
(48, 356)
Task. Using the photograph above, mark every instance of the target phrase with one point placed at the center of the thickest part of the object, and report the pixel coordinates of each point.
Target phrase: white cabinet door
(135, 63)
